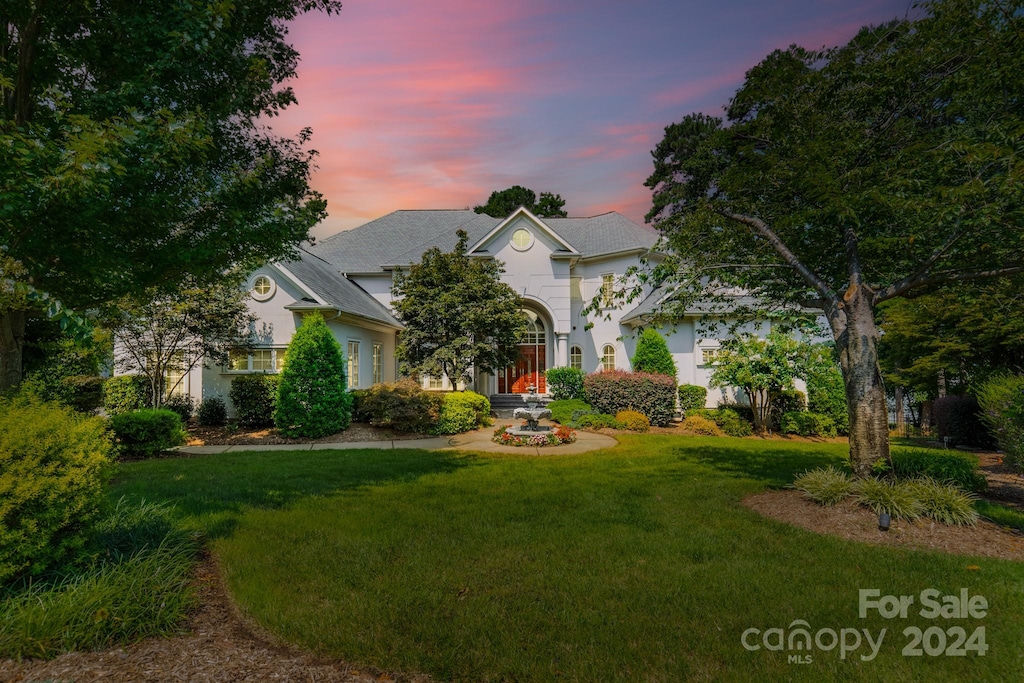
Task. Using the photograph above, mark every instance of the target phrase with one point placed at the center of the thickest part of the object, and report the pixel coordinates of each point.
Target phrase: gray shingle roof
(336, 291)
(401, 237)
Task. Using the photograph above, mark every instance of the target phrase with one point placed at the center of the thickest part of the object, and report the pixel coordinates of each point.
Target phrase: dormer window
(522, 239)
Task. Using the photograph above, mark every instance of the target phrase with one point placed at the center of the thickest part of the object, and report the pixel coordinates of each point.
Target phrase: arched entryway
(532, 361)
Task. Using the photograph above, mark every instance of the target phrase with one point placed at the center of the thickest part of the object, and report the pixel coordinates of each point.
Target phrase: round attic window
(262, 288)
(522, 239)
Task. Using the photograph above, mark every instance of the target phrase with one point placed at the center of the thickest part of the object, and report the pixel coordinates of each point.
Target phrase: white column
(562, 349)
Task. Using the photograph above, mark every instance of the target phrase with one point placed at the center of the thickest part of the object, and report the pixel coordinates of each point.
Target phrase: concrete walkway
(478, 440)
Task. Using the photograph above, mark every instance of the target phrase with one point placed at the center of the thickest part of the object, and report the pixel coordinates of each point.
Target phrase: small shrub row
(565, 384)
(147, 432)
(254, 397)
(728, 420)
(597, 421)
(652, 395)
(951, 467)
(807, 424)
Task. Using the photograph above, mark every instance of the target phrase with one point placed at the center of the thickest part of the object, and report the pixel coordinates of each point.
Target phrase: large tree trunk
(865, 392)
(12, 340)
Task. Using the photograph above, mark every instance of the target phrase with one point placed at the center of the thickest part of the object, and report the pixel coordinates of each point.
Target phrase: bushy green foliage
(597, 421)
(125, 393)
(254, 397)
(212, 412)
(728, 420)
(786, 401)
(403, 406)
(312, 399)
(84, 393)
(824, 485)
(950, 467)
(462, 411)
(147, 432)
(945, 503)
(652, 395)
(807, 424)
(52, 468)
(184, 405)
(894, 497)
(652, 355)
(826, 393)
(565, 384)
(692, 397)
(632, 420)
(562, 411)
(702, 426)
(958, 418)
(1002, 408)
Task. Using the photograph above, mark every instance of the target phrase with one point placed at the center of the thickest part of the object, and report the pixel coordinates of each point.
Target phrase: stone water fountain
(533, 413)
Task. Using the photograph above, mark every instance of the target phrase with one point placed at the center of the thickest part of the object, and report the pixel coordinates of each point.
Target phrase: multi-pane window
(534, 329)
(709, 356)
(435, 382)
(353, 364)
(608, 358)
(262, 285)
(174, 376)
(608, 290)
(378, 362)
(576, 357)
(255, 360)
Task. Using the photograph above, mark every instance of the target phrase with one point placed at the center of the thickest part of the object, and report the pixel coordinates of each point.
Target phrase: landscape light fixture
(883, 521)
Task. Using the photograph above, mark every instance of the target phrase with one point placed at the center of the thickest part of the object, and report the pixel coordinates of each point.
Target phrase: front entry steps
(502, 405)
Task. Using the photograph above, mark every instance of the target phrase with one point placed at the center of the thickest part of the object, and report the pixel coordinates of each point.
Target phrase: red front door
(528, 370)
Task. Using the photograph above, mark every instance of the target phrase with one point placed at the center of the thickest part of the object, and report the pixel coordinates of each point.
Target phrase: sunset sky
(433, 104)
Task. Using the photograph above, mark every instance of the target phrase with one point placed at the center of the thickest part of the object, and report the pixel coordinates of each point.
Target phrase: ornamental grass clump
(824, 485)
(899, 499)
(945, 503)
(312, 397)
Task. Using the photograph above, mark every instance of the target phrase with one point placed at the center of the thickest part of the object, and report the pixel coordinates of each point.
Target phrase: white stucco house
(557, 265)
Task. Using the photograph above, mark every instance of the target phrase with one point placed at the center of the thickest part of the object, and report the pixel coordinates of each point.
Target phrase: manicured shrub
(894, 497)
(147, 432)
(944, 503)
(562, 411)
(125, 393)
(403, 406)
(597, 421)
(959, 419)
(212, 412)
(565, 384)
(730, 422)
(807, 424)
(254, 398)
(1002, 408)
(183, 405)
(312, 398)
(692, 397)
(652, 395)
(652, 355)
(632, 420)
(462, 411)
(358, 395)
(84, 393)
(53, 463)
(949, 467)
(701, 426)
(824, 485)
(787, 401)
(826, 395)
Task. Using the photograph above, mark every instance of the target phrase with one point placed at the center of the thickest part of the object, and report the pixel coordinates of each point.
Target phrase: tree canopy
(846, 177)
(458, 315)
(133, 148)
(501, 203)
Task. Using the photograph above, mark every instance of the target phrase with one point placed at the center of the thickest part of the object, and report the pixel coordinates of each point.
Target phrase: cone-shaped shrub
(312, 399)
(652, 355)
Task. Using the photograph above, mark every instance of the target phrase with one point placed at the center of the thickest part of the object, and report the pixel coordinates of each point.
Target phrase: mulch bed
(220, 646)
(230, 436)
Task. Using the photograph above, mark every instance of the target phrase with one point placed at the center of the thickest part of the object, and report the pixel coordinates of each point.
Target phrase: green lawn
(633, 564)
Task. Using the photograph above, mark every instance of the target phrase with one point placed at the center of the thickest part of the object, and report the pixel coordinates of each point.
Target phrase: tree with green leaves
(312, 394)
(458, 315)
(501, 203)
(133, 151)
(762, 368)
(848, 177)
(158, 333)
(652, 354)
